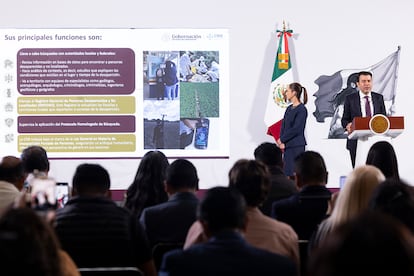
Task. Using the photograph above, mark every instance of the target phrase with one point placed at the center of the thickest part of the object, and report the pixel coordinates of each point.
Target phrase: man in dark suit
(169, 222)
(271, 155)
(307, 208)
(95, 231)
(355, 106)
(222, 214)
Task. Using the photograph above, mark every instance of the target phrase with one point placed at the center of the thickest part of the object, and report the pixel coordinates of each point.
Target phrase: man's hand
(348, 127)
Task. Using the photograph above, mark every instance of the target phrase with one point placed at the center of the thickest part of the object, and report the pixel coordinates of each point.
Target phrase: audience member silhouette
(28, 246)
(369, 244)
(169, 222)
(382, 155)
(307, 208)
(251, 179)
(147, 189)
(12, 178)
(395, 197)
(281, 186)
(352, 200)
(222, 213)
(95, 231)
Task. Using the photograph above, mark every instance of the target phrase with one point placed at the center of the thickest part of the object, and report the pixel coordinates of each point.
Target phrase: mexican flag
(282, 77)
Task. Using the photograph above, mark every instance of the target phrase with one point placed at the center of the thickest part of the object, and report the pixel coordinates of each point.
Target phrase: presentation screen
(115, 93)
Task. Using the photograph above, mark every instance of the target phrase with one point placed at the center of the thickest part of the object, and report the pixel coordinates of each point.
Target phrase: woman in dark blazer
(292, 134)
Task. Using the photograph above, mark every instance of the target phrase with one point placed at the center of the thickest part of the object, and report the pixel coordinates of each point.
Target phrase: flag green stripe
(277, 72)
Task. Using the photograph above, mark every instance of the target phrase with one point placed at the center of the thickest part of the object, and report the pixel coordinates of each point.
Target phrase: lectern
(369, 130)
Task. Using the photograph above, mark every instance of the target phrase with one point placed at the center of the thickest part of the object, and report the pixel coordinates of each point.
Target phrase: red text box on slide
(76, 124)
(75, 71)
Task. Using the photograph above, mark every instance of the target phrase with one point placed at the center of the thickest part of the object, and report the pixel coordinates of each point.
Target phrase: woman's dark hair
(382, 155)
(395, 198)
(28, 245)
(147, 189)
(299, 89)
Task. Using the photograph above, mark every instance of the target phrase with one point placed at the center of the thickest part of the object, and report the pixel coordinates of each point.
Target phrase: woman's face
(290, 94)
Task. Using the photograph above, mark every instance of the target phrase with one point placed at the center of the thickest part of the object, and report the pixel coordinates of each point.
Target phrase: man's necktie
(367, 107)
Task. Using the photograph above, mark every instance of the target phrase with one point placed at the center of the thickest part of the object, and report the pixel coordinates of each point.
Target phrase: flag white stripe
(274, 112)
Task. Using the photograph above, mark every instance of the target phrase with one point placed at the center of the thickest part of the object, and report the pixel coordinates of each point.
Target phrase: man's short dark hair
(11, 169)
(222, 208)
(269, 153)
(311, 167)
(35, 158)
(364, 73)
(252, 179)
(91, 178)
(182, 174)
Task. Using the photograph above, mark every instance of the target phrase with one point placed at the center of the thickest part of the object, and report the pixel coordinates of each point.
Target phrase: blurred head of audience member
(310, 169)
(35, 160)
(382, 155)
(251, 178)
(28, 245)
(147, 189)
(12, 179)
(395, 198)
(270, 154)
(91, 180)
(369, 244)
(11, 171)
(181, 176)
(222, 209)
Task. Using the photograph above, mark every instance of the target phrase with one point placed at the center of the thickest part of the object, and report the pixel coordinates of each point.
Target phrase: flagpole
(396, 78)
(281, 77)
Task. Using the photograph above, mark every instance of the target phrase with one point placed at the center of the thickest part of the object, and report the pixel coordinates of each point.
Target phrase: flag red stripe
(285, 37)
(274, 130)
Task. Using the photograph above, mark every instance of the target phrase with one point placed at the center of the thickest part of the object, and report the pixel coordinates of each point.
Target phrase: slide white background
(328, 36)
